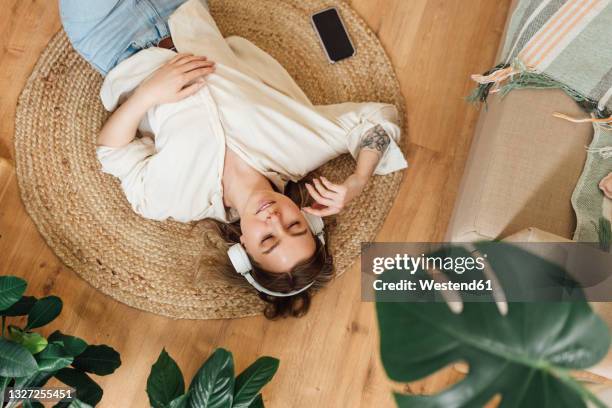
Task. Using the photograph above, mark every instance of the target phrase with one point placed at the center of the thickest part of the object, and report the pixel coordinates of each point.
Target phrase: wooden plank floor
(329, 358)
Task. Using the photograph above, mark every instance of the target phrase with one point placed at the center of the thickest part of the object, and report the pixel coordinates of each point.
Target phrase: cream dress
(250, 103)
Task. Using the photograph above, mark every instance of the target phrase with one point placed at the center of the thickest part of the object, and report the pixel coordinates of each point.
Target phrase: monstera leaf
(524, 356)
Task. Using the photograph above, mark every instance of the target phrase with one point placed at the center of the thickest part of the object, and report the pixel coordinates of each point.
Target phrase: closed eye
(297, 231)
(270, 236)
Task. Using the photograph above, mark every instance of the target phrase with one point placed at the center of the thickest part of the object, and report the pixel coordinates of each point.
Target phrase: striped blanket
(565, 44)
(558, 43)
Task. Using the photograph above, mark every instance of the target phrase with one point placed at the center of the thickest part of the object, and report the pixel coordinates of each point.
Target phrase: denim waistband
(105, 32)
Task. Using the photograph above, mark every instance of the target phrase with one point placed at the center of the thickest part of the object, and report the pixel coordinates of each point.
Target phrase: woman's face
(275, 232)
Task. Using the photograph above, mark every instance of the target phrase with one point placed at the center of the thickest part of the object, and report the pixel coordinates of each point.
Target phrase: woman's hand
(606, 185)
(331, 198)
(179, 78)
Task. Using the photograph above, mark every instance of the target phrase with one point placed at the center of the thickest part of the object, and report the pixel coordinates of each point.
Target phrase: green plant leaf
(3, 383)
(213, 384)
(11, 289)
(32, 404)
(53, 358)
(21, 308)
(44, 311)
(524, 356)
(180, 402)
(165, 382)
(75, 403)
(98, 359)
(38, 379)
(87, 390)
(15, 360)
(72, 345)
(604, 233)
(257, 402)
(34, 342)
(250, 382)
(78, 404)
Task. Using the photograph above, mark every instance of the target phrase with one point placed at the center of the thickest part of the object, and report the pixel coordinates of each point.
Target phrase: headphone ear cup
(315, 223)
(239, 258)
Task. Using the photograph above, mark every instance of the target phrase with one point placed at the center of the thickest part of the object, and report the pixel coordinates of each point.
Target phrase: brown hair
(318, 268)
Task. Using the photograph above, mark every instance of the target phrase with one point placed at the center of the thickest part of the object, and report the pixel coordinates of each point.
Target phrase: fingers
(322, 212)
(197, 73)
(320, 199)
(190, 66)
(324, 191)
(191, 89)
(179, 57)
(184, 58)
(188, 59)
(331, 186)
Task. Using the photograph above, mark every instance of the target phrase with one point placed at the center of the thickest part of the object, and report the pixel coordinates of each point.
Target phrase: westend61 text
(430, 284)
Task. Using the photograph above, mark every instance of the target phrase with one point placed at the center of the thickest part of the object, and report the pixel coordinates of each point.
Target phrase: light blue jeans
(105, 32)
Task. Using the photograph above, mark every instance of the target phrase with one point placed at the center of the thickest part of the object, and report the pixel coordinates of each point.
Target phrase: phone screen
(333, 35)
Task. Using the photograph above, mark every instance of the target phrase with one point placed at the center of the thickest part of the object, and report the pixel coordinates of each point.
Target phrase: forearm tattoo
(376, 138)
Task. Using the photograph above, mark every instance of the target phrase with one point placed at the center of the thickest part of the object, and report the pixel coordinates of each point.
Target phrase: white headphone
(240, 260)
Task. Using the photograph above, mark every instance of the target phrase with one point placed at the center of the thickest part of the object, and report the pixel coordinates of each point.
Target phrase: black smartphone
(333, 34)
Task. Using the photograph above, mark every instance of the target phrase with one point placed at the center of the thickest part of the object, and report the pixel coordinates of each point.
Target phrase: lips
(263, 205)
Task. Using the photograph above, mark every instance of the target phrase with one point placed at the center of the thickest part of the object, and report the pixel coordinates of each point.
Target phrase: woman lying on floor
(224, 129)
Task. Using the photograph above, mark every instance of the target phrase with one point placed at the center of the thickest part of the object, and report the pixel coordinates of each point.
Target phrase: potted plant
(214, 385)
(27, 359)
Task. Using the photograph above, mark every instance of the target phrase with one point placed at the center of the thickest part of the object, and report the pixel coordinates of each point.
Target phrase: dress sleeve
(356, 119)
(129, 164)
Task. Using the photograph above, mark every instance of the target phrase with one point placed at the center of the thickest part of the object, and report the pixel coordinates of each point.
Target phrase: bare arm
(373, 146)
(170, 83)
(121, 126)
(332, 198)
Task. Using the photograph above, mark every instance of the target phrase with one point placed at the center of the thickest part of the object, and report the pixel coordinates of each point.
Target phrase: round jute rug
(83, 214)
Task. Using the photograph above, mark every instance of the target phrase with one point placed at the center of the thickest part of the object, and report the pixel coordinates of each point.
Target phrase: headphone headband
(242, 264)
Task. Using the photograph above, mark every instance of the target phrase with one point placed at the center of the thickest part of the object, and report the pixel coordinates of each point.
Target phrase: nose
(273, 217)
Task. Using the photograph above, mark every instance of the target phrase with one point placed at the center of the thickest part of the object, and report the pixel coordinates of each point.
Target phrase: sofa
(522, 169)
(523, 165)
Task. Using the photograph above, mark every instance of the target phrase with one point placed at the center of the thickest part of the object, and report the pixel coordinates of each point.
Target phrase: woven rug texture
(83, 214)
